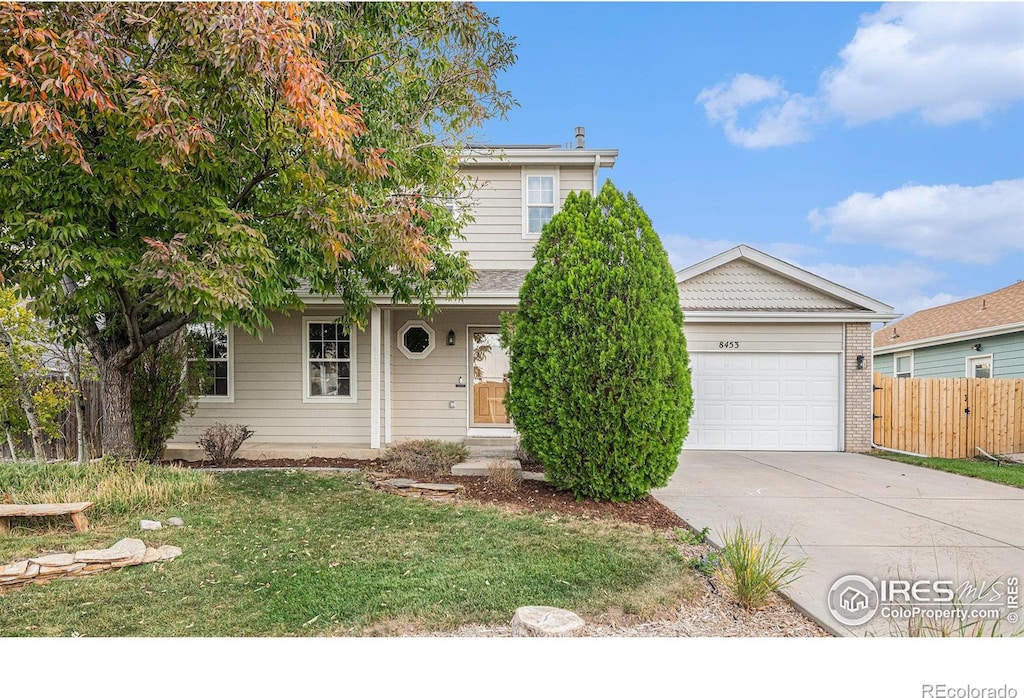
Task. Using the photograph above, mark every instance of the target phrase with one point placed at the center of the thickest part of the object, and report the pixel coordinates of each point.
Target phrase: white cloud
(971, 224)
(901, 285)
(948, 62)
(786, 121)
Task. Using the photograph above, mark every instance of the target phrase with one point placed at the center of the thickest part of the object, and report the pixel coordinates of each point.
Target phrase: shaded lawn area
(986, 470)
(294, 553)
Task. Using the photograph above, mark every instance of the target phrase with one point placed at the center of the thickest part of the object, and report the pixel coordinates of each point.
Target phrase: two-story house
(781, 358)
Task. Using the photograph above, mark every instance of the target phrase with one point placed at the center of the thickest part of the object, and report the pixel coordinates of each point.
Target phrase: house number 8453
(728, 345)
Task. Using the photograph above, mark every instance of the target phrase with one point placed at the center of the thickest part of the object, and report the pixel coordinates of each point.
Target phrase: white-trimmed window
(979, 366)
(329, 362)
(210, 371)
(416, 339)
(903, 365)
(540, 199)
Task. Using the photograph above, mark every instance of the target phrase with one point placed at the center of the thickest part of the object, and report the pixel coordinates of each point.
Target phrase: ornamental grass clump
(600, 381)
(753, 567)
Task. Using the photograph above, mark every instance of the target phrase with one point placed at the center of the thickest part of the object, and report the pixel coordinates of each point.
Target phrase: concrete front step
(508, 442)
(482, 466)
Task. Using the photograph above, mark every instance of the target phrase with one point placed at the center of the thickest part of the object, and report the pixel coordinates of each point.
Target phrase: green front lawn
(295, 553)
(986, 470)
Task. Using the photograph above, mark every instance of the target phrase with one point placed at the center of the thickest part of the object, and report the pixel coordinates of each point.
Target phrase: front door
(489, 369)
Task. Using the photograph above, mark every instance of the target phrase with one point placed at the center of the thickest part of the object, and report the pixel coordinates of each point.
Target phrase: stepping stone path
(124, 553)
(545, 621)
(405, 487)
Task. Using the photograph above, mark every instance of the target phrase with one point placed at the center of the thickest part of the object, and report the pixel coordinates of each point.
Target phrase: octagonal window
(416, 339)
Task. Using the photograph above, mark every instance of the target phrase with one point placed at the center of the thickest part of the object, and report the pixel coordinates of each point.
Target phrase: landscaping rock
(399, 482)
(437, 487)
(14, 569)
(175, 521)
(152, 555)
(545, 621)
(147, 525)
(168, 552)
(105, 555)
(135, 547)
(55, 560)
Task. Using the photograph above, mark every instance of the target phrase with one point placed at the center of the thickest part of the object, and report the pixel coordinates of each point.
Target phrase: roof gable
(998, 311)
(744, 279)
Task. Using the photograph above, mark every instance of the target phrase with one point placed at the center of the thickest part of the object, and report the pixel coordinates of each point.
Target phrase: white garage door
(765, 402)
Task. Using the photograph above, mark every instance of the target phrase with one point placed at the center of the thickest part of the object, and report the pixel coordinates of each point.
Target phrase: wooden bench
(75, 509)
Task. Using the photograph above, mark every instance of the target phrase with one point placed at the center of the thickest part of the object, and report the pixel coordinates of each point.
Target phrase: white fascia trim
(508, 298)
(948, 338)
(788, 271)
(538, 156)
(755, 316)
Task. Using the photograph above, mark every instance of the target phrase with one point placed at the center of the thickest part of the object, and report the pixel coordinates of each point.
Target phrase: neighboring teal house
(981, 337)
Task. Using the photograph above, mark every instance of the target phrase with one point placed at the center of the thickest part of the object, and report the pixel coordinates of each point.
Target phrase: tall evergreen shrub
(600, 381)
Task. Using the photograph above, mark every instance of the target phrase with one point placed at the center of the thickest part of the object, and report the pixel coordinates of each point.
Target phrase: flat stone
(437, 487)
(14, 569)
(545, 621)
(105, 555)
(399, 482)
(74, 567)
(55, 560)
(134, 546)
(169, 552)
(175, 521)
(152, 555)
(147, 525)
(32, 571)
(95, 567)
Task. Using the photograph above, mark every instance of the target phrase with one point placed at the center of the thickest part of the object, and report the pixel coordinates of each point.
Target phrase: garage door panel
(765, 401)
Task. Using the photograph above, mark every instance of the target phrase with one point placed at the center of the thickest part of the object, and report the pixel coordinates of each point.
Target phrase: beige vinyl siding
(423, 388)
(764, 337)
(269, 390)
(494, 240)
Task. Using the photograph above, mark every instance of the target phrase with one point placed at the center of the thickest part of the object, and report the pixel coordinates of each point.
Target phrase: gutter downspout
(597, 165)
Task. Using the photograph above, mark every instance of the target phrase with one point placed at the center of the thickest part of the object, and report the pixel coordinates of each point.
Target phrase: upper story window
(903, 365)
(540, 199)
(329, 362)
(209, 372)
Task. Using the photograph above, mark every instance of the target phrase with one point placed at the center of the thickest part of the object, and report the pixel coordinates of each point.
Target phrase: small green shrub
(753, 567)
(598, 364)
(221, 441)
(425, 457)
(688, 536)
(161, 392)
(116, 488)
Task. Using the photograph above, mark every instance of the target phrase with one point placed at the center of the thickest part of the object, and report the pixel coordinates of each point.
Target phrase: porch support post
(387, 376)
(375, 377)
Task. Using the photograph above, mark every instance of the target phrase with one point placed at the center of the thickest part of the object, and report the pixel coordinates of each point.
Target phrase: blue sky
(880, 146)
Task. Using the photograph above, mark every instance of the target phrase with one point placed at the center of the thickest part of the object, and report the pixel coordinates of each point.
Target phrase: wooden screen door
(489, 367)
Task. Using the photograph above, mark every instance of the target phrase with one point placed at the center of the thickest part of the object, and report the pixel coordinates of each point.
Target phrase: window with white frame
(540, 199)
(209, 369)
(329, 362)
(979, 366)
(903, 365)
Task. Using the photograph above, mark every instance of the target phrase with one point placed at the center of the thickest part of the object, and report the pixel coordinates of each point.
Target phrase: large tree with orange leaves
(162, 163)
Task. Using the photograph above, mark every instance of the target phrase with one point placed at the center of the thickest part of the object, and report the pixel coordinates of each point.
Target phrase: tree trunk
(10, 445)
(29, 407)
(79, 399)
(118, 435)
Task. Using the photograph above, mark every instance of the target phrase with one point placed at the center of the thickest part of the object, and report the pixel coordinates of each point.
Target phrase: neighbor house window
(209, 371)
(329, 362)
(540, 199)
(904, 365)
(979, 366)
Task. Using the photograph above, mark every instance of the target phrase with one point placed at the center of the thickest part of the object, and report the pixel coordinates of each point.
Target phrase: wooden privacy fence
(949, 417)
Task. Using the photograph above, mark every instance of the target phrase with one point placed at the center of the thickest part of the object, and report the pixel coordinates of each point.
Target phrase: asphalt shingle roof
(995, 309)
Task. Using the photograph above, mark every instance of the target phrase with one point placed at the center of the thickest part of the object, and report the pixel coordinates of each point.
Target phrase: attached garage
(780, 358)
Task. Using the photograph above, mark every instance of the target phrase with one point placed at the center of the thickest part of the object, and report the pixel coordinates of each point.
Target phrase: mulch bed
(531, 495)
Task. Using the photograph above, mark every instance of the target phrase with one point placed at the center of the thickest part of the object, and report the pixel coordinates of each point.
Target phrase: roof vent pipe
(581, 135)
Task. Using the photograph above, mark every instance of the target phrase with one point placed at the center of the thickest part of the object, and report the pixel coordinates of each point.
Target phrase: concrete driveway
(856, 514)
